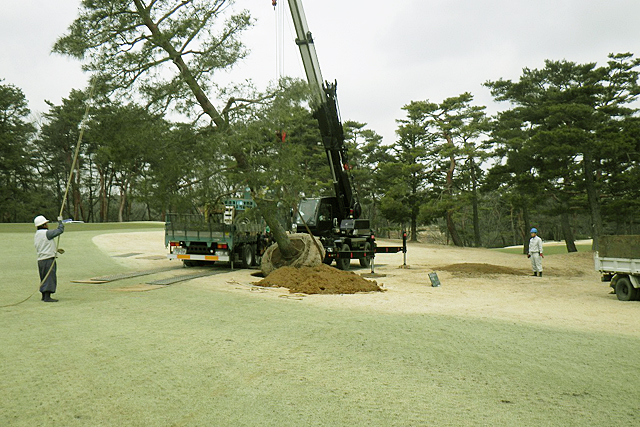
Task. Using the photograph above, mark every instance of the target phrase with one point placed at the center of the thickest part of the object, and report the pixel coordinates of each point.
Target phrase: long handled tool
(64, 199)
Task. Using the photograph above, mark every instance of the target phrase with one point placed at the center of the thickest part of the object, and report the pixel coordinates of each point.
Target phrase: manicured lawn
(106, 227)
(192, 356)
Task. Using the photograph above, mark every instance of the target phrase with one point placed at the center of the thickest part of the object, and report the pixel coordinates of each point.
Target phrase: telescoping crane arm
(326, 112)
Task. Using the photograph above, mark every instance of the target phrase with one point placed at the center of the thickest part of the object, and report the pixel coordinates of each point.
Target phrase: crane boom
(326, 112)
(334, 220)
(304, 40)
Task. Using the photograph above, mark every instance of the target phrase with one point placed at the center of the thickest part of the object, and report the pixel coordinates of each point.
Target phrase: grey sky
(384, 54)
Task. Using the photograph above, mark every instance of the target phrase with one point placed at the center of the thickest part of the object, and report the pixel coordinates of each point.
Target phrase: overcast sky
(383, 54)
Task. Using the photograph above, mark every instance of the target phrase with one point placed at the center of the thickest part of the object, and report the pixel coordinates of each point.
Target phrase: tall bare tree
(133, 45)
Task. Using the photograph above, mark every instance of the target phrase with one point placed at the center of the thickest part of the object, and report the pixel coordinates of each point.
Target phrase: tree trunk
(108, 189)
(451, 228)
(90, 210)
(592, 198)
(279, 234)
(123, 201)
(449, 187)
(567, 233)
(78, 211)
(474, 203)
(414, 228)
(103, 195)
(513, 227)
(268, 210)
(527, 227)
(162, 41)
(123, 196)
(413, 216)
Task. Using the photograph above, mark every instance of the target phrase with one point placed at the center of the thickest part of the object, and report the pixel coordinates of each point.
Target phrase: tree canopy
(562, 155)
(16, 161)
(166, 51)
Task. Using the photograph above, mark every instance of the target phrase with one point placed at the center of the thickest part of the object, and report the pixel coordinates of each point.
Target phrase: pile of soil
(321, 279)
(480, 269)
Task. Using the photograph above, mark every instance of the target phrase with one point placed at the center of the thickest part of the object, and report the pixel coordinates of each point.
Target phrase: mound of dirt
(479, 269)
(321, 279)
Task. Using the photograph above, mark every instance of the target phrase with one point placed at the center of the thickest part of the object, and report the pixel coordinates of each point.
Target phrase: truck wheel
(366, 261)
(344, 263)
(625, 290)
(327, 260)
(247, 256)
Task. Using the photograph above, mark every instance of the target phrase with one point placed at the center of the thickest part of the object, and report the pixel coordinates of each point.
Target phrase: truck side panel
(617, 265)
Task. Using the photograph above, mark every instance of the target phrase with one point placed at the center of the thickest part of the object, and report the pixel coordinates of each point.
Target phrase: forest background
(561, 156)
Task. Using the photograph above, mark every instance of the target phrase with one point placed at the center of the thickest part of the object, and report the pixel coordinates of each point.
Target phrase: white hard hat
(40, 220)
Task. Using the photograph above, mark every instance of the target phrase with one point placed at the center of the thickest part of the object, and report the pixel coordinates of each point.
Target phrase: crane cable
(279, 37)
(66, 193)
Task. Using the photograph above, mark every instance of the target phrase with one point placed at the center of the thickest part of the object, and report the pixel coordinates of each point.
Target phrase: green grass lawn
(186, 356)
(104, 227)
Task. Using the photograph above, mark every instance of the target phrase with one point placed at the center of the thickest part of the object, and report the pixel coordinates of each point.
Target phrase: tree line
(562, 155)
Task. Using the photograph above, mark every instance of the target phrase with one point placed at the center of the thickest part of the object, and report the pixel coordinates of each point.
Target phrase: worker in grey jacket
(535, 252)
(46, 249)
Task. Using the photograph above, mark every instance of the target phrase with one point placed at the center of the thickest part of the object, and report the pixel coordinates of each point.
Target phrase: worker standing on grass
(46, 249)
(535, 252)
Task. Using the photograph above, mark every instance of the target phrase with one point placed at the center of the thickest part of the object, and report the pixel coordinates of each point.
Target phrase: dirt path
(477, 283)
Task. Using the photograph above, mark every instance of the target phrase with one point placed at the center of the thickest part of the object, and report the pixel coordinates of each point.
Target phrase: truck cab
(321, 215)
(340, 236)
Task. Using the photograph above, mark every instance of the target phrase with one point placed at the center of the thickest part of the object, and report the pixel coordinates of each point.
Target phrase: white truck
(618, 261)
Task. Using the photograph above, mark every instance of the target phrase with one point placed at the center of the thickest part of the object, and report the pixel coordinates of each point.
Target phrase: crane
(334, 220)
(326, 111)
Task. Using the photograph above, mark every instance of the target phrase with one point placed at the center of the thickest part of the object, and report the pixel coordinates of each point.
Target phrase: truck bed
(190, 228)
(616, 265)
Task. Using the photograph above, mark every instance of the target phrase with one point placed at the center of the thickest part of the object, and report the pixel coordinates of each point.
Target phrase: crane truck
(335, 220)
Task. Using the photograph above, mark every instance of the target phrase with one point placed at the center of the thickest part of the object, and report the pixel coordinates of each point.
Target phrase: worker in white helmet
(535, 252)
(46, 249)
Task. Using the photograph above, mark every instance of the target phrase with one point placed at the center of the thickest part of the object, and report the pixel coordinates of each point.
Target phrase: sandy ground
(497, 286)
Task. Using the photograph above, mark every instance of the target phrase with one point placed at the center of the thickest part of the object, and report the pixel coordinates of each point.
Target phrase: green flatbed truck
(224, 236)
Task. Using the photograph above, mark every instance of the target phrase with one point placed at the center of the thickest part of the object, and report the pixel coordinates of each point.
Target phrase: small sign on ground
(435, 282)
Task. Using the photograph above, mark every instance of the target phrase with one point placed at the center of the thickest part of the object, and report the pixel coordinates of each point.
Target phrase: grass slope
(182, 356)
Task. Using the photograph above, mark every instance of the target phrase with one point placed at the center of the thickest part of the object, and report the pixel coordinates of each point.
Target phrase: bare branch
(229, 107)
(171, 12)
(197, 29)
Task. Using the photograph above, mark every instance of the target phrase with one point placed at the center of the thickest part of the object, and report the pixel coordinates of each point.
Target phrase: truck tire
(344, 263)
(625, 290)
(248, 256)
(366, 261)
